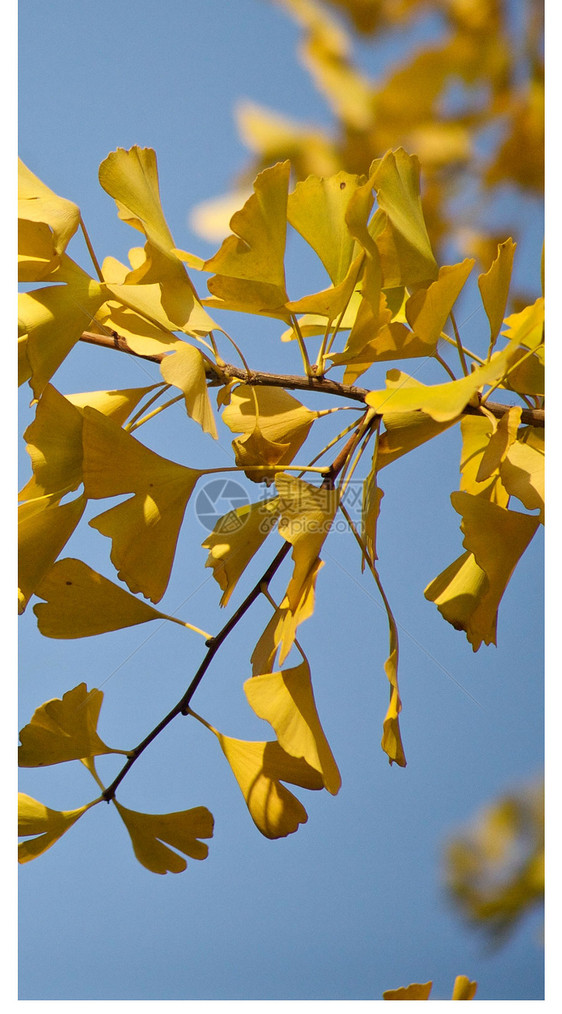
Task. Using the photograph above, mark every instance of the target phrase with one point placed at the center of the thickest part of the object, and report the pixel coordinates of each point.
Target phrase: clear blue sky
(353, 903)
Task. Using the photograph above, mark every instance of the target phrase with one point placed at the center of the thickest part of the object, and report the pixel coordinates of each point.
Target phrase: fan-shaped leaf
(63, 730)
(182, 830)
(46, 826)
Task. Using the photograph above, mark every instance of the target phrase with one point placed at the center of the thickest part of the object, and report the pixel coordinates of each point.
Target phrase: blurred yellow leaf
(144, 529)
(82, 603)
(494, 868)
(415, 991)
(286, 701)
(181, 830)
(185, 368)
(44, 527)
(235, 540)
(63, 730)
(463, 988)
(46, 826)
(254, 255)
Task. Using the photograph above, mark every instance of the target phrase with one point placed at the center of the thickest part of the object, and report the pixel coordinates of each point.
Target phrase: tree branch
(256, 378)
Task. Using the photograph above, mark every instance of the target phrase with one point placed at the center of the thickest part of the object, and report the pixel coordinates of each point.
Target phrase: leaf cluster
(385, 299)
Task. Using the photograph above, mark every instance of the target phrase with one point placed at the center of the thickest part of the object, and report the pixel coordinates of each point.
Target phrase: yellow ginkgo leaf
(415, 991)
(131, 178)
(182, 830)
(406, 431)
(144, 529)
(295, 610)
(54, 438)
(259, 769)
(527, 326)
(522, 474)
(254, 255)
(332, 302)
(45, 825)
(500, 441)
(147, 334)
(53, 318)
(306, 515)
(44, 527)
(469, 591)
(38, 204)
(81, 603)
(494, 286)
(463, 988)
(274, 424)
(37, 258)
(63, 730)
(185, 368)
(370, 509)
(286, 701)
(235, 540)
(317, 210)
(427, 309)
(476, 434)
(396, 179)
(443, 402)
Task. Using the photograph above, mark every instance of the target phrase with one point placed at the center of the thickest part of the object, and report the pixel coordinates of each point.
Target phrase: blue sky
(353, 903)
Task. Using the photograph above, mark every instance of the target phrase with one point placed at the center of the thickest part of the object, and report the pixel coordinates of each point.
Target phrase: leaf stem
(91, 250)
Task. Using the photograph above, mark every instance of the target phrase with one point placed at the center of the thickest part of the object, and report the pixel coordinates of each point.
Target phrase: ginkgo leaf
(332, 302)
(463, 988)
(147, 333)
(469, 591)
(131, 178)
(494, 286)
(182, 830)
(144, 529)
(37, 258)
(404, 432)
(499, 443)
(527, 326)
(63, 730)
(295, 610)
(235, 540)
(443, 402)
(286, 700)
(396, 179)
(370, 509)
(522, 474)
(306, 515)
(415, 991)
(79, 602)
(259, 769)
(39, 205)
(254, 255)
(317, 210)
(185, 368)
(44, 527)
(476, 434)
(54, 438)
(274, 424)
(53, 318)
(45, 825)
(427, 309)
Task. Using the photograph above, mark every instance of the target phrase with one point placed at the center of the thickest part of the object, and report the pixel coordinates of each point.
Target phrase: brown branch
(227, 371)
